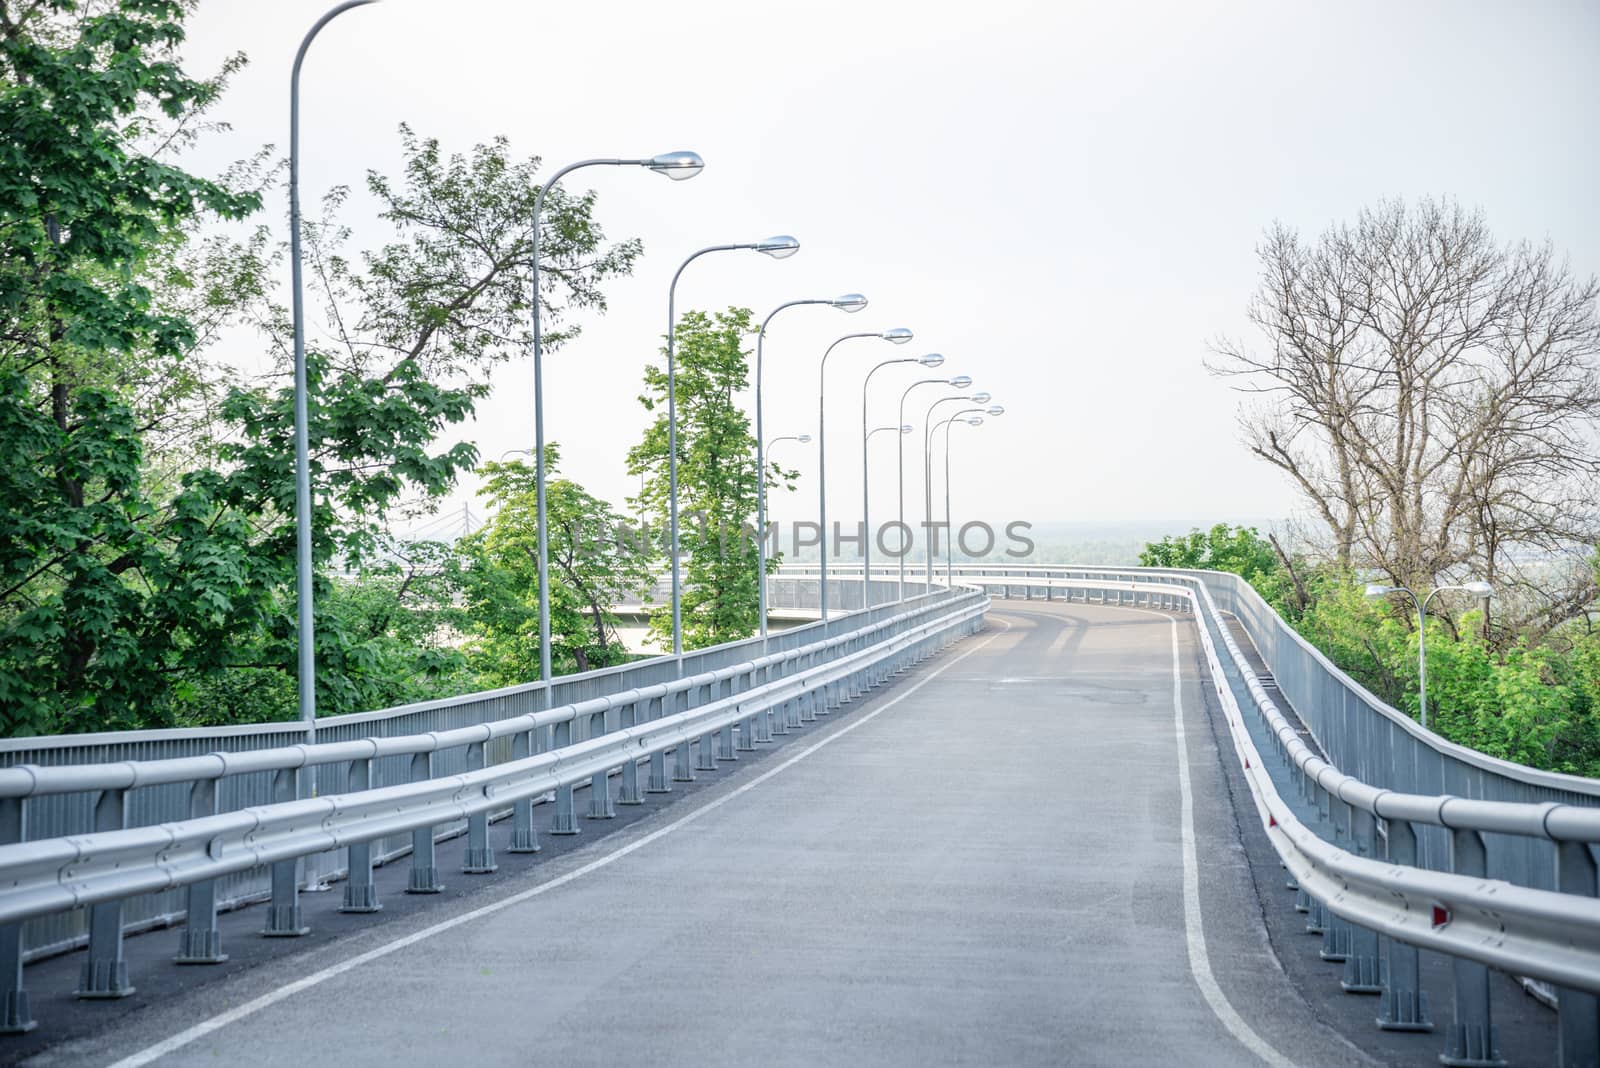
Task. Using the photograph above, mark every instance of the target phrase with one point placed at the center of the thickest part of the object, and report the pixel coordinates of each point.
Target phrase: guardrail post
(283, 912)
(658, 783)
(480, 854)
(200, 942)
(1474, 1040)
(1405, 1005)
(563, 821)
(1336, 935)
(16, 1016)
(524, 839)
(600, 806)
(705, 759)
(105, 973)
(360, 895)
(1578, 1011)
(1363, 971)
(424, 877)
(629, 794)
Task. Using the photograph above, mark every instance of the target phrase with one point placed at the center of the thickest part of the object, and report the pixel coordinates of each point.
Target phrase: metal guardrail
(57, 814)
(1351, 849)
(798, 682)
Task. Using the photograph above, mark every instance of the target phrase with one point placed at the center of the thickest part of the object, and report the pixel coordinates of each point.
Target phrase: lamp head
(997, 409)
(932, 359)
(976, 420)
(981, 398)
(1378, 589)
(1478, 588)
(677, 165)
(961, 381)
(899, 335)
(804, 439)
(850, 302)
(906, 428)
(780, 247)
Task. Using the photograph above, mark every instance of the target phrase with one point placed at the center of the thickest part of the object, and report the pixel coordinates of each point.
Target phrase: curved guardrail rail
(99, 871)
(1352, 894)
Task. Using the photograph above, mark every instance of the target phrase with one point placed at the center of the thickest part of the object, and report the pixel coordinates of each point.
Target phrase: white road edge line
(1193, 920)
(1199, 959)
(183, 1038)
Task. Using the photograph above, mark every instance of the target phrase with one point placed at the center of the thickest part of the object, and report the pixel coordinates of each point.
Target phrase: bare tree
(1435, 398)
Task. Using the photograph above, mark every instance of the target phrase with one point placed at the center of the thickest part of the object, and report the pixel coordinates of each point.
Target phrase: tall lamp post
(302, 435)
(958, 382)
(850, 302)
(779, 247)
(927, 468)
(897, 336)
(1477, 588)
(675, 165)
(949, 520)
(930, 360)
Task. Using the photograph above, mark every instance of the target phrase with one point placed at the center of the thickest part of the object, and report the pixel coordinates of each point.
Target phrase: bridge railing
(1512, 885)
(77, 784)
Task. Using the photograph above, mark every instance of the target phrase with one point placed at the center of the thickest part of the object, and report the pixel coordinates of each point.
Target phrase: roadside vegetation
(1433, 394)
(147, 555)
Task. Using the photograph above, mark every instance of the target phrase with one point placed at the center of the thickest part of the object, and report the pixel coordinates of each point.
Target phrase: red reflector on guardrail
(1441, 916)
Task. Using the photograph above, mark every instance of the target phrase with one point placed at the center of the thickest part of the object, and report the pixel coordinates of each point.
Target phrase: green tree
(89, 93)
(716, 478)
(1241, 550)
(596, 562)
(137, 586)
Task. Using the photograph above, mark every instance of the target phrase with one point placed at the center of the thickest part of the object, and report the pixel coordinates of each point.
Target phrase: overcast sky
(1063, 198)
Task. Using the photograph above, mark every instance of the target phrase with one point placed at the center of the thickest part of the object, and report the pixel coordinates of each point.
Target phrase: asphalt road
(982, 862)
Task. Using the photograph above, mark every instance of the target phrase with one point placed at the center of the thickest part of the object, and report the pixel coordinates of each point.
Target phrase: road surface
(984, 861)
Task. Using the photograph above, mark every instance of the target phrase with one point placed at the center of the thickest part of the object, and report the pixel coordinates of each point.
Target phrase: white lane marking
(1060, 643)
(1194, 930)
(250, 1008)
(1193, 923)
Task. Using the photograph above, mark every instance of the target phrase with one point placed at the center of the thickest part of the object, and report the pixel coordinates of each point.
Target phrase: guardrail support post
(480, 854)
(630, 794)
(1578, 1019)
(424, 877)
(360, 895)
(1473, 1038)
(15, 1015)
(658, 783)
(600, 806)
(524, 839)
(283, 912)
(725, 750)
(105, 973)
(1363, 970)
(1405, 1005)
(1336, 935)
(200, 942)
(705, 759)
(563, 821)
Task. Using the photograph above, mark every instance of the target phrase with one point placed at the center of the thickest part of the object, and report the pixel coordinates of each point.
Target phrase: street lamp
(675, 165)
(850, 302)
(897, 336)
(780, 247)
(302, 435)
(1477, 588)
(804, 439)
(927, 468)
(959, 382)
(974, 418)
(930, 360)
